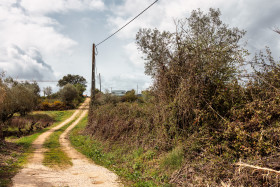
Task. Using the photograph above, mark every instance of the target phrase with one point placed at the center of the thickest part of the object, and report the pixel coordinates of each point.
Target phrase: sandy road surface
(82, 173)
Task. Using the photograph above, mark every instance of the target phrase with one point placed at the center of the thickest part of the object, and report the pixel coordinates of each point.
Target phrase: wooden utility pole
(100, 81)
(93, 75)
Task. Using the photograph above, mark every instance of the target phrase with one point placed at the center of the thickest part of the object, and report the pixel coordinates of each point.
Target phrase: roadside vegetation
(14, 151)
(17, 99)
(210, 118)
(20, 126)
(134, 165)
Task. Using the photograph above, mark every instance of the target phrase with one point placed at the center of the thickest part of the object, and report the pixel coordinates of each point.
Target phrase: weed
(173, 159)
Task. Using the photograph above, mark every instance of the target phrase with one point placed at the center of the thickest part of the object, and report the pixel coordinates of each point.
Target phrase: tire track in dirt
(82, 173)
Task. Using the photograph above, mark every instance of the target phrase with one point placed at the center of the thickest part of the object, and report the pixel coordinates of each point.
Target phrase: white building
(118, 92)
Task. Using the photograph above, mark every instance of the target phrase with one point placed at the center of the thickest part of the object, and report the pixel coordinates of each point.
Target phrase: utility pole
(137, 90)
(93, 75)
(100, 81)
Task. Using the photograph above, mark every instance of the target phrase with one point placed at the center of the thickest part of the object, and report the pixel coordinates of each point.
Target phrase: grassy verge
(14, 152)
(135, 166)
(54, 156)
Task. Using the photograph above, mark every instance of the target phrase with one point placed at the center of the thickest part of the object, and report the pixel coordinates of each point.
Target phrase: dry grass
(21, 126)
(206, 156)
(9, 153)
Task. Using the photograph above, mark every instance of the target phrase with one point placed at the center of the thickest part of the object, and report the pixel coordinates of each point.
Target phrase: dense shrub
(193, 67)
(20, 126)
(106, 98)
(68, 93)
(129, 96)
(199, 101)
(55, 105)
(17, 97)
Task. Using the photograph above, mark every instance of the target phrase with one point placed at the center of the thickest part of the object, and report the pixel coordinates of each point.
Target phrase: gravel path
(83, 172)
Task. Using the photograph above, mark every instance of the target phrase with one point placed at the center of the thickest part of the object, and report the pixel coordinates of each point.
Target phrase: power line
(127, 23)
(22, 80)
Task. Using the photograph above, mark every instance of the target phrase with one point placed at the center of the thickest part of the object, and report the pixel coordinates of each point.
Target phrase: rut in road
(82, 173)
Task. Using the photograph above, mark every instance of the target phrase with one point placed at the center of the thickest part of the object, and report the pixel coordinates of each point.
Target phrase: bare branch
(257, 168)
(277, 30)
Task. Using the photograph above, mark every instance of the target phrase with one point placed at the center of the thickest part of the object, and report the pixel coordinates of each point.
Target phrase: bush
(199, 101)
(129, 96)
(55, 105)
(107, 98)
(21, 126)
(68, 93)
(17, 97)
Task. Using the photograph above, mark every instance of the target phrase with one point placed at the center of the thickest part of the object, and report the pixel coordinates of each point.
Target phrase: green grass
(173, 160)
(58, 116)
(135, 166)
(54, 156)
(15, 152)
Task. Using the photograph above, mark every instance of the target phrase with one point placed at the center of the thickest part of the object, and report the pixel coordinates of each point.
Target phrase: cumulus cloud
(27, 26)
(51, 6)
(243, 14)
(27, 64)
(25, 30)
(127, 81)
(49, 26)
(134, 55)
(254, 16)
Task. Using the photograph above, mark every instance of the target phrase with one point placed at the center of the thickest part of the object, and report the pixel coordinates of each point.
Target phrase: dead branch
(257, 168)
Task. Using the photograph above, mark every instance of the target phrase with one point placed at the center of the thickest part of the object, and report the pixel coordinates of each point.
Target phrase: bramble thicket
(209, 105)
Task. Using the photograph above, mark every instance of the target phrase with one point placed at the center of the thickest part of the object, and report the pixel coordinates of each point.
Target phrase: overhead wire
(127, 23)
(96, 50)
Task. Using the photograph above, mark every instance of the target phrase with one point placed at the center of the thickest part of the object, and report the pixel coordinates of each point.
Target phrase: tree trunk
(2, 137)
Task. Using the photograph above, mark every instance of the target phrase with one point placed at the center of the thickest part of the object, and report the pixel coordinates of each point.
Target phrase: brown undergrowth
(25, 125)
(202, 102)
(8, 155)
(208, 155)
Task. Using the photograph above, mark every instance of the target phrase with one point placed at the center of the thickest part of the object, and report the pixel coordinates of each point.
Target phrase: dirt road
(82, 173)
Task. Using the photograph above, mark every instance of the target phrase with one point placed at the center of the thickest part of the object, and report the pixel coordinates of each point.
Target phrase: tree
(47, 91)
(34, 87)
(80, 88)
(78, 81)
(23, 98)
(68, 93)
(72, 79)
(20, 98)
(2, 90)
(193, 66)
(277, 30)
(2, 99)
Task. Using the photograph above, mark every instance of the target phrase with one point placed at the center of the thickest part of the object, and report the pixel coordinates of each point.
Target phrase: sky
(44, 40)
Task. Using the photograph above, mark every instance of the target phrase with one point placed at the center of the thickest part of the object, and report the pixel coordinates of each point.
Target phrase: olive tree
(68, 93)
(47, 91)
(80, 88)
(78, 81)
(2, 90)
(72, 79)
(192, 67)
(18, 98)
